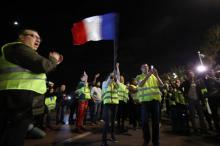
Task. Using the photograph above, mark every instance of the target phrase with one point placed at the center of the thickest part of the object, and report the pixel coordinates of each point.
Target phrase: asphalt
(65, 135)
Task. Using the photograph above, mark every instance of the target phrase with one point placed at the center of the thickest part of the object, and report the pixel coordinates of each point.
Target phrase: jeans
(97, 110)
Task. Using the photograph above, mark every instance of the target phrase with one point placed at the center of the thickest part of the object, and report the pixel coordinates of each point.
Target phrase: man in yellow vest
(110, 100)
(22, 77)
(134, 106)
(150, 96)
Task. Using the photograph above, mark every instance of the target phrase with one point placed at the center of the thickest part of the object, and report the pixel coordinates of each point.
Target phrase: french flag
(96, 28)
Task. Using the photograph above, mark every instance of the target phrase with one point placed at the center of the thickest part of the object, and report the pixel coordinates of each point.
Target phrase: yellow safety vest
(110, 95)
(204, 91)
(13, 76)
(50, 102)
(179, 98)
(123, 93)
(84, 93)
(134, 96)
(150, 90)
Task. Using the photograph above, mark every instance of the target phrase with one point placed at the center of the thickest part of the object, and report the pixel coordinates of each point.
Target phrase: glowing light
(174, 75)
(201, 68)
(69, 97)
(16, 23)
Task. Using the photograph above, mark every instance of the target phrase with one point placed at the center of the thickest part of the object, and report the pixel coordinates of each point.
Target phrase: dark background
(165, 33)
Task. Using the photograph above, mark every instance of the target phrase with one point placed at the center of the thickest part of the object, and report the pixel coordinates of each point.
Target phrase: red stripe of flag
(79, 33)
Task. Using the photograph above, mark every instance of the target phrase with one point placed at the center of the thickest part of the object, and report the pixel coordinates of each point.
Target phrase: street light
(201, 68)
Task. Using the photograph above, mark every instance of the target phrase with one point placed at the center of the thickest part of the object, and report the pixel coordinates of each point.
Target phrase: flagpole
(115, 42)
(115, 53)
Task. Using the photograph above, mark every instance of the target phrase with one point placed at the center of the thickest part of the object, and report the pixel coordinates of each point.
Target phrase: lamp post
(201, 67)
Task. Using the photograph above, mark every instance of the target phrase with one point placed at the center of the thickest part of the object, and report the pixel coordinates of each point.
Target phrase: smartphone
(151, 67)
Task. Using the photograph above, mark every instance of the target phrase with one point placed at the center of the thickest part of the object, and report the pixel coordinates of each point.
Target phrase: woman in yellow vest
(22, 77)
(83, 95)
(150, 96)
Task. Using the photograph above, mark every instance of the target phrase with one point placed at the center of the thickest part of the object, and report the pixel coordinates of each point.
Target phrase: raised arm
(95, 79)
(158, 78)
(117, 73)
(142, 82)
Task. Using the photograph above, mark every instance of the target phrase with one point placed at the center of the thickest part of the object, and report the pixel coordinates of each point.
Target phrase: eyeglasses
(145, 65)
(33, 36)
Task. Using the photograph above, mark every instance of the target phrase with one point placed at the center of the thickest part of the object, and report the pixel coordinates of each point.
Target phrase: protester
(22, 77)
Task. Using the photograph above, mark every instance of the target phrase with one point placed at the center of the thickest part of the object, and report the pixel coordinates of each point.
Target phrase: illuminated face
(144, 68)
(83, 78)
(122, 80)
(63, 88)
(30, 38)
(178, 83)
(51, 90)
(211, 73)
(98, 84)
(191, 74)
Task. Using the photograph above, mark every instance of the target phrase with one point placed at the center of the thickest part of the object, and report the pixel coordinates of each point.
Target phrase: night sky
(165, 33)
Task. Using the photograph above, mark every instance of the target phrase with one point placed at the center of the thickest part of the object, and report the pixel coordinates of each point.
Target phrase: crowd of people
(28, 102)
(190, 102)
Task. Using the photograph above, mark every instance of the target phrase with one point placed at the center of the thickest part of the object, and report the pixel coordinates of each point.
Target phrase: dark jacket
(213, 87)
(185, 86)
(28, 58)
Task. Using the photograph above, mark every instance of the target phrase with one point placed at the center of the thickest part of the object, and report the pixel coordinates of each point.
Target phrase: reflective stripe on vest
(147, 88)
(150, 90)
(108, 94)
(13, 76)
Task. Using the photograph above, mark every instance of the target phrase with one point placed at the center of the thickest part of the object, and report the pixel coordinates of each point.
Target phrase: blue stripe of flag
(108, 26)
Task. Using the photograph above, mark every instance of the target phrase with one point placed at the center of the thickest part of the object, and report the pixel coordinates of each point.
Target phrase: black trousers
(214, 103)
(121, 114)
(109, 115)
(16, 115)
(151, 108)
